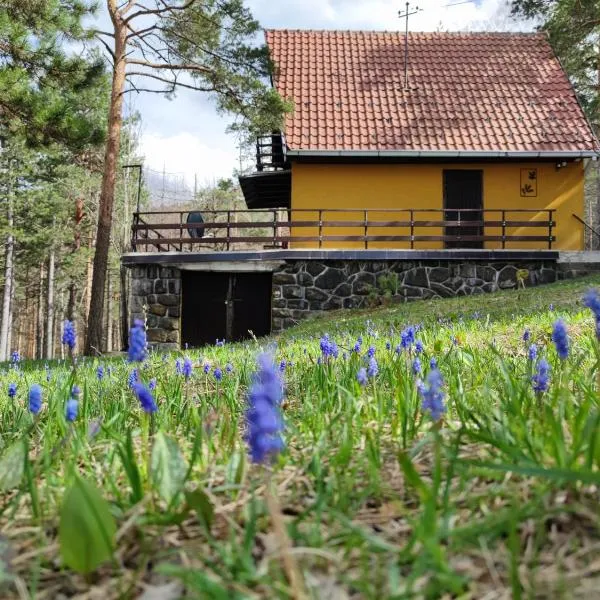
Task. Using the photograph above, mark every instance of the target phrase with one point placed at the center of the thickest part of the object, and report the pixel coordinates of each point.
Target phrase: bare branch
(141, 32)
(169, 67)
(108, 49)
(173, 83)
(100, 32)
(159, 11)
(125, 9)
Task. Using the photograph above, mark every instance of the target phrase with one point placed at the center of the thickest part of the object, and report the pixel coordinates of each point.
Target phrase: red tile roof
(467, 92)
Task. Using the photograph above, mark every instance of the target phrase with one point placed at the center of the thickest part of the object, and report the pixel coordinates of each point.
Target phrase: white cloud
(188, 155)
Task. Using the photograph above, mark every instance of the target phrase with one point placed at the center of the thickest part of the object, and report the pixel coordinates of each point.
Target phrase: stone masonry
(302, 289)
(308, 287)
(156, 296)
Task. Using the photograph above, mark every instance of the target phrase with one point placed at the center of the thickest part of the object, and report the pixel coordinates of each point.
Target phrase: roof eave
(443, 153)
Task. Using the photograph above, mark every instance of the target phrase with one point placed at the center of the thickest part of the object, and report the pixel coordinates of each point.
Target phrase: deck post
(320, 228)
(366, 229)
(550, 225)
(412, 229)
(228, 230)
(503, 230)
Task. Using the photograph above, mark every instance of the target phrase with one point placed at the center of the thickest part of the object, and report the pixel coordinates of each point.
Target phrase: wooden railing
(277, 228)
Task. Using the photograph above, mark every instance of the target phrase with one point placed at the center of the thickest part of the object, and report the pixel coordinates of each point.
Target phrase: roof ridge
(389, 31)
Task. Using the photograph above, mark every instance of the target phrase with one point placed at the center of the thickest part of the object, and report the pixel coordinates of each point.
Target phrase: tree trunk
(50, 308)
(115, 121)
(39, 341)
(8, 275)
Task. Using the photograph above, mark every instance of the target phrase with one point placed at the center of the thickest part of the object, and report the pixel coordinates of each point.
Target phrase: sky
(187, 138)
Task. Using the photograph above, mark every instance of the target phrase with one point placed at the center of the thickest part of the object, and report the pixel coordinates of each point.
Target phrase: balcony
(219, 231)
(271, 185)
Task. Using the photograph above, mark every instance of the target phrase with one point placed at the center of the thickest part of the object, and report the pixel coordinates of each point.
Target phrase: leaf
(168, 468)
(12, 466)
(87, 529)
(200, 502)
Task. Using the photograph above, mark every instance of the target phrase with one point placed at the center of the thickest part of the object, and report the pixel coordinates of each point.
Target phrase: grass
(499, 499)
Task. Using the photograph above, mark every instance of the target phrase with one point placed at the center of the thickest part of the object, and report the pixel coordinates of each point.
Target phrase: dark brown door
(463, 201)
(224, 306)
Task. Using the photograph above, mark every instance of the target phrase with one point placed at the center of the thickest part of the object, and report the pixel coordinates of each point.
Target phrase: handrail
(458, 226)
(586, 224)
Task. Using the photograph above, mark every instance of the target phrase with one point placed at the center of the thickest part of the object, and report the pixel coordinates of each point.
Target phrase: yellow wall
(421, 187)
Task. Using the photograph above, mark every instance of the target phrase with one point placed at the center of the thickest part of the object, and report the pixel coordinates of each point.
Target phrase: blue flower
(100, 372)
(263, 417)
(407, 337)
(416, 366)
(592, 301)
(187, 368)
(418, 346)
(526, 335)
(561, 339)
(206, 368)
(35, 398)
(218, 374)
(398, 349)
(371, 352)
(220, 343)
(152, 384)
(15, 357)
(433, 395)
(75, 391)
(12, 390)
(357, 348)
(361, 376)
(282, 366)
(71, 409)
(144, 395)
(328, 347)
(68, 336)
(532, 352)
(373, 368)
(388, 345)
(228, 368)
(132, 378)
(137, 342)
(179, 366)
(541, 378)
(433, 363)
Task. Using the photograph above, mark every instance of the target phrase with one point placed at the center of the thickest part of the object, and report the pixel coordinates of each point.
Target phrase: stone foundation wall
(302, 289)
(156, 296)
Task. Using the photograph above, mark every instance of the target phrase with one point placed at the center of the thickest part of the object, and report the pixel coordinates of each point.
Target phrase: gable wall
(385, 186)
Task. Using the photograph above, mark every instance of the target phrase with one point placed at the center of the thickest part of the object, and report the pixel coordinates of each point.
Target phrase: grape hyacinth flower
(407, 337)
(433, 363)
(68, 337)
(362, 376)
(71, 409)
(532, 352)
(561, 339)
(592, 301)
(388, 346)
(75, 391)
(357, 348)
(541, 378)
(433, 395)
(371, 352)
(100, 372)
(398, 349)
(152, 384)
(137, 342)
(187, 368)
(373, 368)
(206, 368)
(416, 366)
(15, 357)
(220, 343)
(263, 416)
(35, 398)
(282, 366)
(228, 368)
(179, 366)
(132, 378)
(218, 374)
(526, 335)
(144, 395)
(418, 346)
(12, 390)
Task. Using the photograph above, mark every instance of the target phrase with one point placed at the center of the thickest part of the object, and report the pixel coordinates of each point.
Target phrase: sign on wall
(529, 183)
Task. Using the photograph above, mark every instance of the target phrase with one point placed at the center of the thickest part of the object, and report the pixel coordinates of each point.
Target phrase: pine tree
(160, 46)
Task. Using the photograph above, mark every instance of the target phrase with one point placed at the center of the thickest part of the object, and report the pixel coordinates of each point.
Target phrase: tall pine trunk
(8, 275)
(39, 334)
(94, 336)
(50, 308)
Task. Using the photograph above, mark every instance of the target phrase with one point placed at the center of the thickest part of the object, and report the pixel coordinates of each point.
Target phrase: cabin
(437, 164)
